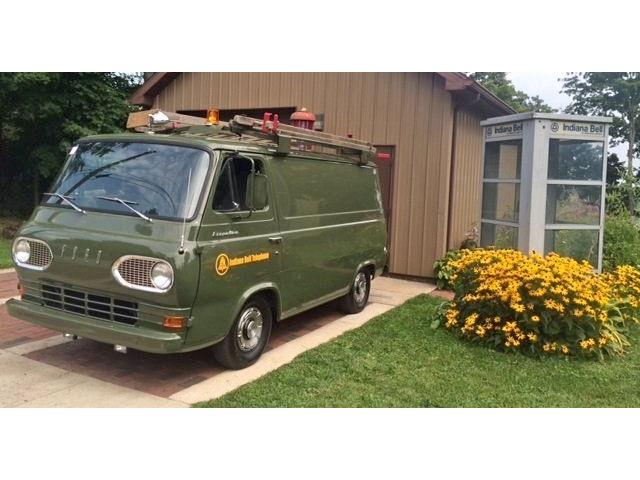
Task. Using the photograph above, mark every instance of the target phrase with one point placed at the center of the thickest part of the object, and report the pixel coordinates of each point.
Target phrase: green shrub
(442, 269)
(621, 242)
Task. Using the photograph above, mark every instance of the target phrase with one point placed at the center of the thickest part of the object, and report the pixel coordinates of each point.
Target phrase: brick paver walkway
(13, 331)
(16, 332)
(164, 375)
(8, 285)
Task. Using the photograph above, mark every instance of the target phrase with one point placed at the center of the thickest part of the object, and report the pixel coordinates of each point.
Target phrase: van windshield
(151, 178)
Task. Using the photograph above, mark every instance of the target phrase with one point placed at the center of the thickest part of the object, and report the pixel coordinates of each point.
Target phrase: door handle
(276, 240)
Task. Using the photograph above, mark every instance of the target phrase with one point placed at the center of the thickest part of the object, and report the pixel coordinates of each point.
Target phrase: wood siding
(466, 183)
(411, 111)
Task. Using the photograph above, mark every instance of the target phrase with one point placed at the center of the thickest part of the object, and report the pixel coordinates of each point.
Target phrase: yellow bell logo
(222, 264)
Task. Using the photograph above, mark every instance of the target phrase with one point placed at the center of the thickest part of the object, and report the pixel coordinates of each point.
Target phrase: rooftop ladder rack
(285, 134)
(158, 120)
(268, 129)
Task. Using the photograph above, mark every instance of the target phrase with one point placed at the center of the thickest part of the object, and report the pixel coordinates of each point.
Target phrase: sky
(547, 85)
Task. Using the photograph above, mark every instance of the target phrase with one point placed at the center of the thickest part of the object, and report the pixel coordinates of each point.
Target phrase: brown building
(428, 123)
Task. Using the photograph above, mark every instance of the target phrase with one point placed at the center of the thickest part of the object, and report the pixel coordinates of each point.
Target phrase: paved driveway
(40, 368)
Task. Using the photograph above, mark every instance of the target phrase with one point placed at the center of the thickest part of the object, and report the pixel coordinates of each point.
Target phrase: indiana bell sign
(577, 128)
(504, 130)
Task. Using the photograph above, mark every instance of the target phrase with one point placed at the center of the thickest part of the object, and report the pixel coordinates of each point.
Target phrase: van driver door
(239, 247)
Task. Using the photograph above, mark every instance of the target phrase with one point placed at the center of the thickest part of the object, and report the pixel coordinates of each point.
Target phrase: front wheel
(248, 336)
(358, 296)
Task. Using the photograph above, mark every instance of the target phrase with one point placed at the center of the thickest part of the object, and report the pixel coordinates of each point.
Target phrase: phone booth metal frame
(544, 184)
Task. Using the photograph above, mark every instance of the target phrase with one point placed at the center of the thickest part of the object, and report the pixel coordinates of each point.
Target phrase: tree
(612, 94)
(42, 114)
(498, 84)
(615, 169)
(536, 104)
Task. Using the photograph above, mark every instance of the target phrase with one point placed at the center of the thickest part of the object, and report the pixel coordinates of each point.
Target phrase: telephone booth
(543, 187)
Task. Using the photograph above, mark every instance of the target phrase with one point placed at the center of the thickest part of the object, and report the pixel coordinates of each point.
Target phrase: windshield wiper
(127, 204)
(96, 172)
(65, 199)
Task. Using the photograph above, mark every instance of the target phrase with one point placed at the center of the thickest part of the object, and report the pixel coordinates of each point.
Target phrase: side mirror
(257, 191)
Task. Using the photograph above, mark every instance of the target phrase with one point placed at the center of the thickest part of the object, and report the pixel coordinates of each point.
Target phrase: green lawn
(5, 254)
(397, 360)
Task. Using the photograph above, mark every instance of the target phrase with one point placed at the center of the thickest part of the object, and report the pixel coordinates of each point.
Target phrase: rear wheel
(248, 336)
(358, 296)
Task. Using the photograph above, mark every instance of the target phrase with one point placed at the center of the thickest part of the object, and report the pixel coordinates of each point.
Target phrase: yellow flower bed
(541, 305)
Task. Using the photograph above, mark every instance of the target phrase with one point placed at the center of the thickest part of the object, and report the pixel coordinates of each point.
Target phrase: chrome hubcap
(249, 329)
(360, 288)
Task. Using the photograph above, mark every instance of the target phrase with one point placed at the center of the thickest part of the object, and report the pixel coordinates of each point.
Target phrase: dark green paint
(323, 222)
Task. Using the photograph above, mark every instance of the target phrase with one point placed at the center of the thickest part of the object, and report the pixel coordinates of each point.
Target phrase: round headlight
(21, 251)
(162, 275)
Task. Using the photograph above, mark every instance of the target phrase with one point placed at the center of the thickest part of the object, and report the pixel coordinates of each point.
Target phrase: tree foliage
(498, 84)
(612, 94)
(42, 114)
(615, 169)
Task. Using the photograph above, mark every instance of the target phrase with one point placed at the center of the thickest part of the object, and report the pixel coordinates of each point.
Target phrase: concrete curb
(28, 383)
(7, 270)
(230, 380)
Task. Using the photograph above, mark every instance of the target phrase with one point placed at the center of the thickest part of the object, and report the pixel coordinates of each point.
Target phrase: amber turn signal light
(174, 323)
(213, 116)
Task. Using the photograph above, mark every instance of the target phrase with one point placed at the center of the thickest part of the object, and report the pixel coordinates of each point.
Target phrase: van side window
(231, 190)
(223, 197)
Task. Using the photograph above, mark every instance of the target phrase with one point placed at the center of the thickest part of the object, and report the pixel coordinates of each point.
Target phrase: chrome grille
(137, 271)
(41, 255)
(88, 304)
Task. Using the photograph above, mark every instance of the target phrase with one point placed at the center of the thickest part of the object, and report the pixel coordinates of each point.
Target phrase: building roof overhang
(466, 93)
(147, 92)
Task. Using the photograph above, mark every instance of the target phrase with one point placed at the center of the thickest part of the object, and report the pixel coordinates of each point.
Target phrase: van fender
(368, 263)
(269, 287)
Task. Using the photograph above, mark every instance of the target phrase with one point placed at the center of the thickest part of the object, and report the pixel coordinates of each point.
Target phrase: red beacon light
(383, 156)
(306, 120)
(303, 119)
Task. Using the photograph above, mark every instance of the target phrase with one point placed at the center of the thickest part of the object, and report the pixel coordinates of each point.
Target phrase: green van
(201, 236)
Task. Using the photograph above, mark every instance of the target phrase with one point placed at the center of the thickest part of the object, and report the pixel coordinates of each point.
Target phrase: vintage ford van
(201, 236)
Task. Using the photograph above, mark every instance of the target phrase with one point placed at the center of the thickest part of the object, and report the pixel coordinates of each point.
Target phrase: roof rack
(159, 120)
(269, 129)
(283, 135)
